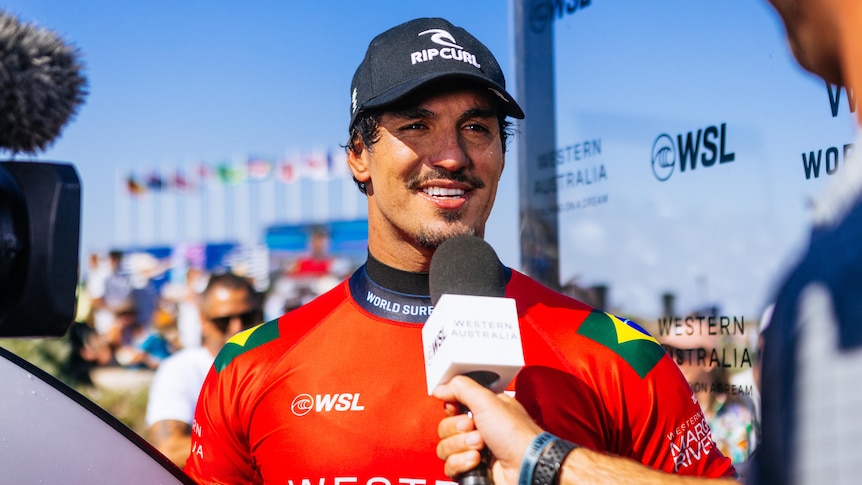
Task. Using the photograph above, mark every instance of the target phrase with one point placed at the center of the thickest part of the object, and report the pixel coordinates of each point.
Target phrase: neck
(413, 283)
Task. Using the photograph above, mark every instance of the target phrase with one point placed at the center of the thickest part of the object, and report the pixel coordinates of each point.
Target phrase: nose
(449, 151)
(235, 325)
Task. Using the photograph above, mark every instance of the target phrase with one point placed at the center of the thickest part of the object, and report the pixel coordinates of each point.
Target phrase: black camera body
(40, 218)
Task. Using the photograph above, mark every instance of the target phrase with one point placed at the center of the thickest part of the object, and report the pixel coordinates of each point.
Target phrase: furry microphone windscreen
(41, 85)
(466, 265)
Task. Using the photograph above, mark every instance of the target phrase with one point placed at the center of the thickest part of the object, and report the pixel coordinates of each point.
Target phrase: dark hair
(231, 281)
(367, 125)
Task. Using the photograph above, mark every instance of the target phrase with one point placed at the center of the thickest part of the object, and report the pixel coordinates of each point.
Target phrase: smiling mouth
(443, 192)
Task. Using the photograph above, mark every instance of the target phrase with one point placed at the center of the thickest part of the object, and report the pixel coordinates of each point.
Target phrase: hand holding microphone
(473, 329)
(497, 421)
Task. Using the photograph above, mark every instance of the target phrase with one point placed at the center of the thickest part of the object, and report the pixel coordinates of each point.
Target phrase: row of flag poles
(233, 200)
(314, 165)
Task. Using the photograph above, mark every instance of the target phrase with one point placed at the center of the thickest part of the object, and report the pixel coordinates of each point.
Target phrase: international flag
(155, 182)
(133, 187)
(336, 162)
(286, 170)
(179, 182)
(259, 168)
(231, 174)
(203, 173)
(315, 165)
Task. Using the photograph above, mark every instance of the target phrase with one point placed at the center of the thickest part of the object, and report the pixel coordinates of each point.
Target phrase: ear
(357, 160)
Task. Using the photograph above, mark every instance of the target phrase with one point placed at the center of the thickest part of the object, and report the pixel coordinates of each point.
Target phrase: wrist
(551, 462)
(544, 459)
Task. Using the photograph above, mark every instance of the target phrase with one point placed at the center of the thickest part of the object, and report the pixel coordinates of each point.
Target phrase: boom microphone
(41, 88)
(41, 85)
(473, 329)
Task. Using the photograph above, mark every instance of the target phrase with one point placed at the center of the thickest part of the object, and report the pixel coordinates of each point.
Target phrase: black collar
(392, 293)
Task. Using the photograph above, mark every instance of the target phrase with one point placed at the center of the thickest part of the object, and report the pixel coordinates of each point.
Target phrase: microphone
(41, 85)
(473, 329)
(41, 89)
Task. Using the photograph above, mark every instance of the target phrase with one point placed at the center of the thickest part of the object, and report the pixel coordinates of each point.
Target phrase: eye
(477, 127)
(415, 125)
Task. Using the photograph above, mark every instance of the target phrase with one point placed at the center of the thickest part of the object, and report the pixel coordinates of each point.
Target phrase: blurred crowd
(125, 318)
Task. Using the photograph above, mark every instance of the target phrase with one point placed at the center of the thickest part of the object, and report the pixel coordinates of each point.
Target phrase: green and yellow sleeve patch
(625, 338)
(245, 341)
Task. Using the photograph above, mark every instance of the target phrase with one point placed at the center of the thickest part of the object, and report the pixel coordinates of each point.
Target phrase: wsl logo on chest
(324, 403)
(449, 49)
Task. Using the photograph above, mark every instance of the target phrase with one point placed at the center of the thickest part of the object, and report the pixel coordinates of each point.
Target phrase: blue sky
(173, 82)
(176, 82)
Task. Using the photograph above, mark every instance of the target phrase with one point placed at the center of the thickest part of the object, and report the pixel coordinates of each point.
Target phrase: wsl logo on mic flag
(626, 338)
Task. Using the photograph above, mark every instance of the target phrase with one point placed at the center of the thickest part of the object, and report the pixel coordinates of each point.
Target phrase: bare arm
(587, 467)
(173, 438)
(502, 424)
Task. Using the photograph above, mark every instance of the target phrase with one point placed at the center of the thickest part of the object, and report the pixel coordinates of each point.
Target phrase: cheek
(391, 163)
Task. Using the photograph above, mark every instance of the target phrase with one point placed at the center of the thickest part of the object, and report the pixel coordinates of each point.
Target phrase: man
(110, 290)
(334, 392)
(812, 357)
(229, 304)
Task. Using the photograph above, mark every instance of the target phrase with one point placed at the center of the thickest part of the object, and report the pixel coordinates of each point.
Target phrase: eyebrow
(414, 113)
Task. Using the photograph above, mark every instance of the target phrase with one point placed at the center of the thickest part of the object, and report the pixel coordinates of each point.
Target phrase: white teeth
(441, 192)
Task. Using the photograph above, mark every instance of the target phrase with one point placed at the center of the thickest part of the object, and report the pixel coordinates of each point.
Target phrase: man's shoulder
(529, 292)
(243, 345)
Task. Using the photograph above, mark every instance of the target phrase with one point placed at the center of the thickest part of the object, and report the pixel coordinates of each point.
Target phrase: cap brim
(392, 95)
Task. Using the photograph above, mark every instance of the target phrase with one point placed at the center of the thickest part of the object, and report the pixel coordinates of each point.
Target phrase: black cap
(421, 51)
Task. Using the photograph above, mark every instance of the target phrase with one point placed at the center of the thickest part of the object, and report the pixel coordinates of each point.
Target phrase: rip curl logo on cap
(302, 404)
(450, 49)
(440, 36)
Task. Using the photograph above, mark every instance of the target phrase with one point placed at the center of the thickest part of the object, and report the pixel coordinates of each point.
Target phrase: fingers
(459, 444)
(466, 391)
(459, 463)
(454, 425)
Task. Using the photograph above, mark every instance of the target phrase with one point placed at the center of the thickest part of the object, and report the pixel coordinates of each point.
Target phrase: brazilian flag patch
(245, 341)
(626, 338)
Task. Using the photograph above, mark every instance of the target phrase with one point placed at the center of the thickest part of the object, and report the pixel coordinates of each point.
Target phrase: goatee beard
(432, 239)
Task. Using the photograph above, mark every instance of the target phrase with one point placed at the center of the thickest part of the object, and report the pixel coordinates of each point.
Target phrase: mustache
(461, 176)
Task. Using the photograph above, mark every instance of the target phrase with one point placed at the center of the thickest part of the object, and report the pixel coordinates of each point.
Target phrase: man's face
(432, 175)
(813, 35)
(227, 311)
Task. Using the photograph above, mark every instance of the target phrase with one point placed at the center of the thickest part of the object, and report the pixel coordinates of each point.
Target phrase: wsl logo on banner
(705, 146)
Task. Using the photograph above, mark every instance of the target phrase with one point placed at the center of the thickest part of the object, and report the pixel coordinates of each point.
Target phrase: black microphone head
(41, 85)
(466, 265)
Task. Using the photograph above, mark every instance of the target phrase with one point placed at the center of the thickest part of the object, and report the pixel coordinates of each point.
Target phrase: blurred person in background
(134, 344)
(109, 289)
(732, 415)
(229, 304)
(186, 297)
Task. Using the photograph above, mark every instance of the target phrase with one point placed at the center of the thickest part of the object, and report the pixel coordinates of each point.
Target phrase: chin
(432, 238)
